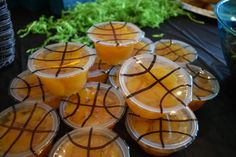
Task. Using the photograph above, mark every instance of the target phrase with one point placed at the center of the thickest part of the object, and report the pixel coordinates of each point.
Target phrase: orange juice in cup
(175, 50)
(29, 87)
(90, 142)
(114, 41)
(62, 67)
(144, 46)
(27, 129)
(205, 86)
(97, 104)
(164, 135)
(99, 71)
(154, 85)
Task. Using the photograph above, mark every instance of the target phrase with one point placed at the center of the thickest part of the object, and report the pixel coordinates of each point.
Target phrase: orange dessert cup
(175, 50)
(154, 85)
(164, 135)
(99, 71)
(114, 41)
(97, 104)
(62, 67)
(90, 142)
(29, 87)
(27, 129)
(205, 86)
(144, 46)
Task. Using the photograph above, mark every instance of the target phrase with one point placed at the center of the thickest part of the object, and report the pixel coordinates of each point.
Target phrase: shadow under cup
(226, 16)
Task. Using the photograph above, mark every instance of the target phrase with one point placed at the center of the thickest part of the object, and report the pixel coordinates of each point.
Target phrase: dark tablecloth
(217, 119)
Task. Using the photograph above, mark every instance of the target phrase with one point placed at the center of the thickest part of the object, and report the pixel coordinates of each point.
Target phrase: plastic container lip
(139, 37)
(219, 18)
(48, 139)
(14, 83)
(112, 74)
(131, 61)
(102, 86)
(85, 131)
(173, 147)
(98, 72)
(151, 45)
(215, 84)
(182, 44)
(90, 62)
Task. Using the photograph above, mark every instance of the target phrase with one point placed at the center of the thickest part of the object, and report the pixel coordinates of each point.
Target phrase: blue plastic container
(58, 5)
(226, 16)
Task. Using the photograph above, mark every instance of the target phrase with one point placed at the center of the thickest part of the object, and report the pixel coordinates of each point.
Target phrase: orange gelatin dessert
(175, 50)
(29, 87)
(62, 67)
(205, 86)
(154, 85)
(164, 135)
(27, 129)
(99, 71)
(97, 104)
(114, 41)
(144, 46)
(90, 142)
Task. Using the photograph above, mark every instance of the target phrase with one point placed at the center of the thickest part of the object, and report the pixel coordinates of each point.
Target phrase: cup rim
(89, 63)
(219, 4)
(139, 37)
(190, 48)
(106, 124)
(100, 131)
(140, 104)
(49, 138)
(16, 96)
(214, 84)
(176, 146)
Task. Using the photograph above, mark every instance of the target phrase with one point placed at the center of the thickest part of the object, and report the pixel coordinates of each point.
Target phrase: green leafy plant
(74, 23)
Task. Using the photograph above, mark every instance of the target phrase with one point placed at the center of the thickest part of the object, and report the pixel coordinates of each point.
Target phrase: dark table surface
(217, 118)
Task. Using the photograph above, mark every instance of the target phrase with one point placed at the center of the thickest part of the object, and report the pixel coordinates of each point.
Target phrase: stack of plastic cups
(7, 41)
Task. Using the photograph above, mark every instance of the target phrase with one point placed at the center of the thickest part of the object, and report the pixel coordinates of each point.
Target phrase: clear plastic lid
(90, 142)
(28, 86)
(99, 68)
(114, 76)
(171, 132)
(61, 60)
(97, 104)
(115, 33)
(144, 46)
(155, 83)
(175, 50)
(26, 129)
(205, 84)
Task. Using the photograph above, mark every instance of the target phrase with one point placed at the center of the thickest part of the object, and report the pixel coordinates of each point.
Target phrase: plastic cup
(97, 104)
(90, 142)
(6, 60)
(175, 50)
(27, 129)
(226, 17)
(154, 85)
(205, 86)
(114, 77)
(28, 86)
(99, 71)
(114, 41)
(144, 46)
(62, 67)
(165, 135)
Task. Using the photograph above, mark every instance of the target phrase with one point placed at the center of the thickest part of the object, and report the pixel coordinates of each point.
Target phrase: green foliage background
(74, 23)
